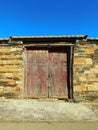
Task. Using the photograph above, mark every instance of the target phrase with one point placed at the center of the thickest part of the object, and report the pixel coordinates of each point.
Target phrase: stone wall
(11, 71)
(85, 70)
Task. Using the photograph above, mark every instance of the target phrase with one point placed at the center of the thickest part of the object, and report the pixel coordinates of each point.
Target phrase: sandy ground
(82, 125)
(46, 110)
(47, 115)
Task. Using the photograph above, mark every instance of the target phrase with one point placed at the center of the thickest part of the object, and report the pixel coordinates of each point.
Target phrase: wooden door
(46, 73)
(58, 73)
(36, 73)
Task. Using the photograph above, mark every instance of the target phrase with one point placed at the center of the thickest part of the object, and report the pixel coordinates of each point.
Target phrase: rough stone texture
(46, 110)
(85, 70)
(11, 71)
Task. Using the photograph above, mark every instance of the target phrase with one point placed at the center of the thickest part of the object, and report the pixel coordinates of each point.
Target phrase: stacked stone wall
(85, 70)
(11, 71)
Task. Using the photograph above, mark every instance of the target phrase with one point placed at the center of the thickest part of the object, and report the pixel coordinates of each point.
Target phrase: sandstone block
(96, 66)
(80, 61)
(96, 80)
(89, 61)
(6, 80)
(89, 51)
(1, 87)
(18, 75)
(8, 74)
(13, 49)
(17, 89)
(95, 86)
(1, 91)
(4, 50)
(76, 54)
(12, 62)
(10, 70)
(12, 83)
(80, 88)
(87, 72)
(94, 71)
(8, 90)
(11, 57)
(90, 87)
(82, 79)
(1, 53)
(19, 82)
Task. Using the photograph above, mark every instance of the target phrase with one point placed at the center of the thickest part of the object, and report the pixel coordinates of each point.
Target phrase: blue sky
(48, 17)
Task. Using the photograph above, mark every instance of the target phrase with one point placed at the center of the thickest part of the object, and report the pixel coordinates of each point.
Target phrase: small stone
(79, 61)
(19, 82)
(82, 79)
(12, 83)
(1, 91)
(89, 51)
(17, 89)
(94, 71)
(80, 88)
(89, 61)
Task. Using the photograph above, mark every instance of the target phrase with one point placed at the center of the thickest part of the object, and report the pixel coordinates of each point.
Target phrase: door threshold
(48, 99)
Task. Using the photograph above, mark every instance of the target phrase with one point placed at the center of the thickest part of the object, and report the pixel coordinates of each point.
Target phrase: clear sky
(48, 17)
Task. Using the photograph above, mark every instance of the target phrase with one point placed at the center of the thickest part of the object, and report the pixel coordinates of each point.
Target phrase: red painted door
(36, 73)
(46, 73)
(58, 73)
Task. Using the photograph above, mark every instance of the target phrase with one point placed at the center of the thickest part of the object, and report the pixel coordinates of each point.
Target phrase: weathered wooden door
(36, 73)
(46, 73)
(58, 73)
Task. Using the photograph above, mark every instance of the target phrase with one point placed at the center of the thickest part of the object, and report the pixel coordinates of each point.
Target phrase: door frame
(70, 50)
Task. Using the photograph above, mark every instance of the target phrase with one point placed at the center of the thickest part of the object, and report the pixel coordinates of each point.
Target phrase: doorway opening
(47, 72)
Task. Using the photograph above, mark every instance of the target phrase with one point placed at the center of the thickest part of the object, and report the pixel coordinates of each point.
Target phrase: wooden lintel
(45, 45)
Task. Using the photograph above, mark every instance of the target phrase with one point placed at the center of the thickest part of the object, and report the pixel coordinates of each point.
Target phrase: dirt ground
(47, 115)
(81, 125)
(47, 110)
